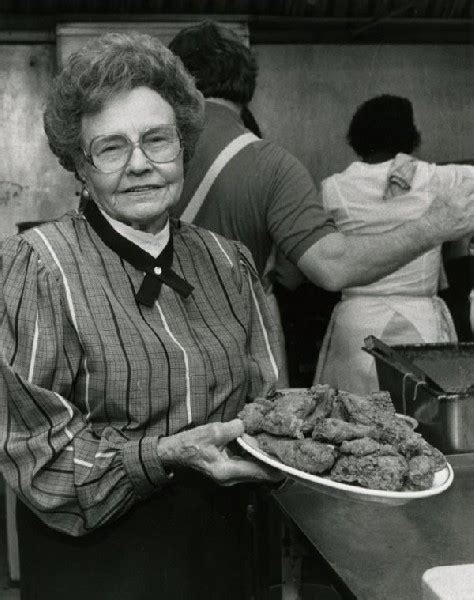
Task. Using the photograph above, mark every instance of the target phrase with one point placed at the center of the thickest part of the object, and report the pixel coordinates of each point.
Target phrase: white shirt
(354, 198)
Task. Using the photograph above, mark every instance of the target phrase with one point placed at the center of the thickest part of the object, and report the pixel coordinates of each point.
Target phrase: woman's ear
(80, 173)
(79, 176)
(81, 170)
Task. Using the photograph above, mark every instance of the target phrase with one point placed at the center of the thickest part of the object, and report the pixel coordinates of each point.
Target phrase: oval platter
(442, 479)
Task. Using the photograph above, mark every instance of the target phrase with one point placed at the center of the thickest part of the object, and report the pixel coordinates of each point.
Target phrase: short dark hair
(383, 124)
(111, 64)
(222, 66)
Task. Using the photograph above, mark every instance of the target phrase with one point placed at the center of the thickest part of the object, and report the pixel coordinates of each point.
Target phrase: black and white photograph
(237, 300)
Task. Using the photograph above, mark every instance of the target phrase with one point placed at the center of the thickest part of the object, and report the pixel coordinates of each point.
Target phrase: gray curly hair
(110, 64)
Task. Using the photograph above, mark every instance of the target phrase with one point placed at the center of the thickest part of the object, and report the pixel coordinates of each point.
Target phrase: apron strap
(233, 148)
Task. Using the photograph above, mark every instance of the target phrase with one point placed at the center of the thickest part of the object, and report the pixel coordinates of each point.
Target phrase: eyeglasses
(110, 153)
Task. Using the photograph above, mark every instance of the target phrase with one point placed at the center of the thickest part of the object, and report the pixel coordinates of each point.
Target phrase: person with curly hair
(387, 187)
(130, 342)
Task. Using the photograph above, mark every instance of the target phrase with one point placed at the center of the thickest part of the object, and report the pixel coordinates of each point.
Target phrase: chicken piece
(366, 445)
(400, 434)
(299, 404)
(266, 402)
(305, 455)
(314, 457)
(253, 414)
(338, 411)
(409, 443)
(421, 471)
(365, 411)
(288, 413)
(420, 447)
(284, 449)
(374, 472)
(383, 401)
(324, 398)
(282, 423)
(397, 432)
(336, 431)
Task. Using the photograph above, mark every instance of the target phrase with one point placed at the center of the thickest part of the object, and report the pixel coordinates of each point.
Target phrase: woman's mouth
(141, 189)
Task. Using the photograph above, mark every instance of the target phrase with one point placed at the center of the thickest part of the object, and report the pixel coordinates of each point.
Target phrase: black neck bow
(157, 270)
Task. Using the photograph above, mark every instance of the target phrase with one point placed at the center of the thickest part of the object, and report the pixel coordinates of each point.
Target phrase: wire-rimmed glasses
(110, 153)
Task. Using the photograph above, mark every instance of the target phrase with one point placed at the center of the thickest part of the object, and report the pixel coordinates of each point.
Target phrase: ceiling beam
(267, 29)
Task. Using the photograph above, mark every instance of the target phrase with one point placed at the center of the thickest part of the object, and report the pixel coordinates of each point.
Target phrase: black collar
(158, 270)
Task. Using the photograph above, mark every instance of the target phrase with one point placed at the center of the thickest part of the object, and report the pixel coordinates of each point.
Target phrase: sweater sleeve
(74, 477)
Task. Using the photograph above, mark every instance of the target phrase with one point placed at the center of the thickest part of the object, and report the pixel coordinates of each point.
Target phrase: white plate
(442, 480)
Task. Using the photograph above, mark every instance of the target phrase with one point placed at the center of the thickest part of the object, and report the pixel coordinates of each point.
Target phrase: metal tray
(446, 419)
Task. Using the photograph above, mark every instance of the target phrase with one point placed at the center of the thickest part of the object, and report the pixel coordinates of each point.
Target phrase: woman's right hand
(204, 449)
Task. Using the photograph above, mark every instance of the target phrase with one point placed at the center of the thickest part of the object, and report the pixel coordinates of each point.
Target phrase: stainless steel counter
(381, 552)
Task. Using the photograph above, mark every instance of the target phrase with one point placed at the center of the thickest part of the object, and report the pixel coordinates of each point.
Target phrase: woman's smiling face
(141, 193)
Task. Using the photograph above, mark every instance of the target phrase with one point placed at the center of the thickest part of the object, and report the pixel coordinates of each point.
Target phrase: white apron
(393, 319)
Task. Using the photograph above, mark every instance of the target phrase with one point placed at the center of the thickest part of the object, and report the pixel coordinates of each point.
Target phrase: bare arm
(337, 261)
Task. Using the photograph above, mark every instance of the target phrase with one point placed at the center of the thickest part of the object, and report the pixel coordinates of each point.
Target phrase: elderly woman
(388, 186)
(129, 344)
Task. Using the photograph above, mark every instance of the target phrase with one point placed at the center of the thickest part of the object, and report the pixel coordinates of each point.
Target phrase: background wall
(306, 95)
(32, 184)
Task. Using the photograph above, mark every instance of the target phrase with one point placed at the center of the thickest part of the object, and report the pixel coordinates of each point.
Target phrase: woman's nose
(138, 160)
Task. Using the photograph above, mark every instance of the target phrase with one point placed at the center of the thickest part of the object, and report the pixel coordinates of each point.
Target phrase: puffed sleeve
(263, 344)
(72, 477)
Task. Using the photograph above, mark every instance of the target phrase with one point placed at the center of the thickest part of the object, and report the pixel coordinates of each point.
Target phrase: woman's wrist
(165, 453)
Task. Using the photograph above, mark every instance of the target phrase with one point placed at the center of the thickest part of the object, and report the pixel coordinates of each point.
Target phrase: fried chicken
(371, 471)
(421, 471)
(282, 423)
(366, 411)
(324, 400)
(366, 445)
(382, 401)
(253, 414)
(336, 431)
(305, 455)
(300, 404)
(338, 411)
(324, 396)
(352, 439)
(288, 414)
(281, 415)
(397, 432)
(422, 448)
(409, 443)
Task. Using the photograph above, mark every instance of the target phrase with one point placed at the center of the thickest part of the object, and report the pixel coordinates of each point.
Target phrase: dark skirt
(189, 542)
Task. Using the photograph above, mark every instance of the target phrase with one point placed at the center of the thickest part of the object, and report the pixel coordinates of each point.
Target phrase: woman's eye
(155, 139)
(104, 147)
(110, 148)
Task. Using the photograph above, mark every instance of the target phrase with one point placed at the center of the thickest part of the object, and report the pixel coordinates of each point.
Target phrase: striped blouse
(89, 377)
